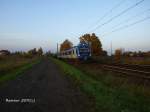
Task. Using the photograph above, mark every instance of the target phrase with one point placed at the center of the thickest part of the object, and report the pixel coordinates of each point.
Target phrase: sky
(25, 24)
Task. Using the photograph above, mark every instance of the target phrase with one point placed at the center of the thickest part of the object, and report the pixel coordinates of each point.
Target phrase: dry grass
(12, 66)
(9, 63)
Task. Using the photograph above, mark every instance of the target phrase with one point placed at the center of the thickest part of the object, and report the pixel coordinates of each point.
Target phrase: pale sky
(25, 24)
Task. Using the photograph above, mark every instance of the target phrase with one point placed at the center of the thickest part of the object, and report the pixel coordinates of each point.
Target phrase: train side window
(68, 52)
(76, 51)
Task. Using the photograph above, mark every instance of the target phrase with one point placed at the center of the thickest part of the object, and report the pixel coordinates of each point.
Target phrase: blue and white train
(81, 51)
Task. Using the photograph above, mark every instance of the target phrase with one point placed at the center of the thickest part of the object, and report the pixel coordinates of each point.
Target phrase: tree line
(122, 53)
(95, 43)
(29, 53)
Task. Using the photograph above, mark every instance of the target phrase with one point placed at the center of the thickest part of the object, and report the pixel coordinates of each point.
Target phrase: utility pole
(111, 52)
(111, 48)
(90, 45)
(57, 49)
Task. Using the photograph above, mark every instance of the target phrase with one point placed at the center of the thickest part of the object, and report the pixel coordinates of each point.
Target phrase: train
(82, 52)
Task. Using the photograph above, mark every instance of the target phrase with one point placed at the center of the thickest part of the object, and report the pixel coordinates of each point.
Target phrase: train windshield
(83, 50)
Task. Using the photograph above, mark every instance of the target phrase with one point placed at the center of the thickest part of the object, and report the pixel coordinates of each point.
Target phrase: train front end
(84, 51)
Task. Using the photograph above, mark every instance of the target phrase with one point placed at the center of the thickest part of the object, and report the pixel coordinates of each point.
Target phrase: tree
(118, 54)
(96, 46)
(48, 53)
(104, 53)
(32, 51)
(40, 51)
(66, 45)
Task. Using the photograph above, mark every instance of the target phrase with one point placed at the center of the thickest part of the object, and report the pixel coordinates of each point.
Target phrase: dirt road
(43, 88)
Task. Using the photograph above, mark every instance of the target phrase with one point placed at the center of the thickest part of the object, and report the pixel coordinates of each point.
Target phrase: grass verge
(17, 71)
(107, 99)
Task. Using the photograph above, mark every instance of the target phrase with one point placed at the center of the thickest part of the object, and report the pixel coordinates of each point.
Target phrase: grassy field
(11, 66)
(110, 93)
(122, 60)
(136, 60)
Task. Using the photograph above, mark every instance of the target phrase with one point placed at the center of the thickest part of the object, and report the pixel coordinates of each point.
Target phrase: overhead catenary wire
(118, 15)
(107, 13)
(102, 17)
(114, 17)
(129, 19)
(126, 26)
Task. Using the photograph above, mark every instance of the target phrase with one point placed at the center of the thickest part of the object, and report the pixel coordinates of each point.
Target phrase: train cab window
(69, 52)
(83, 50)
(73, 51)
(76, 51)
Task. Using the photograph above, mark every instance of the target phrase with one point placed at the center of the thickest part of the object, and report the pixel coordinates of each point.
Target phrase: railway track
(141, 73)
(135, 67)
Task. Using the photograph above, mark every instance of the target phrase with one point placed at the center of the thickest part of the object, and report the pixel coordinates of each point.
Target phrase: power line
(124, 11)
(129, 25)
(106, 14)
(129, 19)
